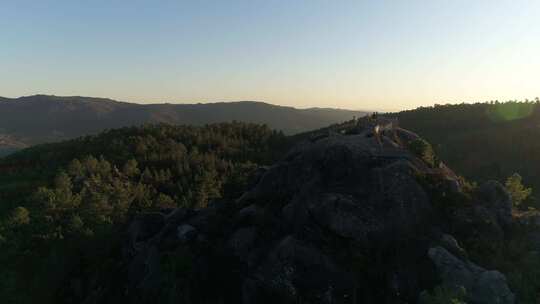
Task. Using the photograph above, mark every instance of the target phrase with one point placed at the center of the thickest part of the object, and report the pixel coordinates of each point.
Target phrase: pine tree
(517, 190)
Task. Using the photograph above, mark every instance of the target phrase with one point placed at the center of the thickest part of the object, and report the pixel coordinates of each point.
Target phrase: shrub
(517, 190)
(423, 150)
(20, 216)
(444, 295)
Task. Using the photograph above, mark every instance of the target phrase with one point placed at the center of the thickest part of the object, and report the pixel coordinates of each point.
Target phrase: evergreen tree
(517, 190)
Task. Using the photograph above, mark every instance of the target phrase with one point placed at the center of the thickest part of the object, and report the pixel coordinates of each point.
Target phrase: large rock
(294, 272)
(495, 197)
(144, 226)
(449, 243)
(341, 219)
(481, 286)
(486, 219)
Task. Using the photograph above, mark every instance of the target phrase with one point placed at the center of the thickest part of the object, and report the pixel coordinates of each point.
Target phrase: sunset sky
(372, 55)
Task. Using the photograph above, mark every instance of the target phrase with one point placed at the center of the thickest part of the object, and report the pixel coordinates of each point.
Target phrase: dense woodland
(63, 205)
(483, 141)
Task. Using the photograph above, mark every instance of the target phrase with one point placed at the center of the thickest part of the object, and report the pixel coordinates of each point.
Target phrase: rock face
(482, 286)
(341, 219)
(498, 201)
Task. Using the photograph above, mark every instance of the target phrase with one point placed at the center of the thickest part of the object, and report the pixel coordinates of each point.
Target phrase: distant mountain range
(38, 119)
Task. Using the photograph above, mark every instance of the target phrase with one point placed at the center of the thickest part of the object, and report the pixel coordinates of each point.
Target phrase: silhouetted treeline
(483, 140)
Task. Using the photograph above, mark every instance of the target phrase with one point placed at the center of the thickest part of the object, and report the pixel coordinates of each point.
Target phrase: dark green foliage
(443, 199)
(63, 206)
(516, 189)
(423, 150)
(20, 216)
(482, 141)
(444, 295)
(515, 257)
(79, 194)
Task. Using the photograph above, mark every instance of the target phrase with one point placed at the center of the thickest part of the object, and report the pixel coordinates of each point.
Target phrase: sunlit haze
(376, 55)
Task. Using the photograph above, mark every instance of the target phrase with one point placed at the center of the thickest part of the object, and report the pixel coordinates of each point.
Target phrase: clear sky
(376, 55)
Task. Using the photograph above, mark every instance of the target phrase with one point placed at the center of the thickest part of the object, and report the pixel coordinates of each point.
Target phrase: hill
(38, 119)
(221, 214)
(119, 173)
(482, 141)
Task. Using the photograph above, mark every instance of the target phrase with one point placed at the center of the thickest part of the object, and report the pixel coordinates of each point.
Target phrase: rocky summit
(362, 215)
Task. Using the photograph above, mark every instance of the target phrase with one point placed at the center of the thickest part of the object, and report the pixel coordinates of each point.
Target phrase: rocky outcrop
(481, 286)
(341, 219)
(495, 198)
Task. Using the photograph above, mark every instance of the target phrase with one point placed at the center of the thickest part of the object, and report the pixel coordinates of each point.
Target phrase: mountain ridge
(105, 99)
(48, 118)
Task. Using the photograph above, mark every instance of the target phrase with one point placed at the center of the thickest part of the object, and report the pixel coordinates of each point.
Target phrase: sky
(370, 55)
